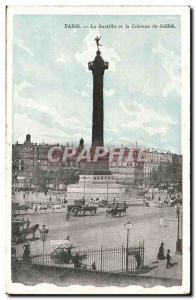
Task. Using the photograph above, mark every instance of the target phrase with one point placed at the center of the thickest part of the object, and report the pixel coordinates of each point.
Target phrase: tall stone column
(98, 66)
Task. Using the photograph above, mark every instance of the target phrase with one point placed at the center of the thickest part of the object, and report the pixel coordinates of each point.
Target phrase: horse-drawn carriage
(80, 208)
(103, 203)
(19, 234)
(117, 209)
(62, 254)
(17, 208)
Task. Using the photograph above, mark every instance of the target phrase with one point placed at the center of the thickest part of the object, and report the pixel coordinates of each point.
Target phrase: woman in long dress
(161, 254)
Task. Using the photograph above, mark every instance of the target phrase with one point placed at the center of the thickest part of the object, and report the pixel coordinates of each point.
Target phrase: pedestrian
(28, 223)
(93, 266)
(159, 202)
(68, 245)
(169, 259)
(36, 209)
(26, 253)
(161, 222)
(83, 200)
(116, 204)
(138, 261)
(22, 224)
(77, 261)
(67, 216)
(160, 254)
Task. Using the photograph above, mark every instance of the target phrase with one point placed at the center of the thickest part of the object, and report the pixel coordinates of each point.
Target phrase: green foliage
(166, 174)
(60, 176)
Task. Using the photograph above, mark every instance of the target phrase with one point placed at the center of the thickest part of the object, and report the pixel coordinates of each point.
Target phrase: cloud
(21, 44)
(41, 133)
(150, 69)
(109, 93)
(44, 113)
(113, 129)
(171, 64)
(22, 86)
(147, 119)
(62, 59)
(82, 93)
(88, 49)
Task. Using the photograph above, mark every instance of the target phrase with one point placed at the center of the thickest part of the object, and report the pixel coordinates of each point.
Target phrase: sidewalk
(159, 270)
(34, 274)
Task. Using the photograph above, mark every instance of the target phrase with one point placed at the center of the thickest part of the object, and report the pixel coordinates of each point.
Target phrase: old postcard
(98, 150)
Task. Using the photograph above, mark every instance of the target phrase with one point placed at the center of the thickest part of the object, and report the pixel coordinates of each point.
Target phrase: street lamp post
(107, 190)
(128, 226)
(179, 241)
(84, 187)
(43, 236)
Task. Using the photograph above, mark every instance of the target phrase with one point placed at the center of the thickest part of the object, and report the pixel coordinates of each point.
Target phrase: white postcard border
(184, 13)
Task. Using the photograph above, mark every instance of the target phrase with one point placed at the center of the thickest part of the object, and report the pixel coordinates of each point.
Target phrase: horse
(32, 230)
(117, 211)
(24, 207)
(44, 207)
(103, 203)
(58, 206)
(91, 209)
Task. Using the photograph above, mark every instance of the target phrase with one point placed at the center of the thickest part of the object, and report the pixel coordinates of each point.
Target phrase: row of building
(28, 157)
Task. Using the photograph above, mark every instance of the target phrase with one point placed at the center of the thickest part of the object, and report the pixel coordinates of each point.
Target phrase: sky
(52, 86)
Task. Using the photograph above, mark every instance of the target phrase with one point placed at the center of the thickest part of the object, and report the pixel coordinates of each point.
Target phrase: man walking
(68, 245)
(36, 209)
(169, 259)
(28, 223)
(161, 222)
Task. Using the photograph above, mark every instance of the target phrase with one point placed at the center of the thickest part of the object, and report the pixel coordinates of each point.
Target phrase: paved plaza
(92, 232)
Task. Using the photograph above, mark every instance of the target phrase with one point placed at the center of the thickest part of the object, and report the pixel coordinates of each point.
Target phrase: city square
(92, 232)
(93, 200)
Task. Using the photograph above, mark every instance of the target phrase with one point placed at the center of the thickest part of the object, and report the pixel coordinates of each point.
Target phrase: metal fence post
(127, 249)
(140, 254)
(101, 258)
(122, 258)
(143, 255)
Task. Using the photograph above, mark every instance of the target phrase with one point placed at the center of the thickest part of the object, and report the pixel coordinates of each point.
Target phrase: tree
(166, 174)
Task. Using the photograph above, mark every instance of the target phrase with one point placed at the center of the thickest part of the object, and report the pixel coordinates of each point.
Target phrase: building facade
(29, 157)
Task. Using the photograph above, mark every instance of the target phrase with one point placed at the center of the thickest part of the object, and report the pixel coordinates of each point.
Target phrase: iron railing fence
(120, 259)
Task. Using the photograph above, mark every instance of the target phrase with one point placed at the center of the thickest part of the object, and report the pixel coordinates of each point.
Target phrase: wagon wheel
(74, 211)
(83, 210)
(114, 213)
